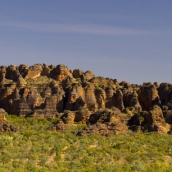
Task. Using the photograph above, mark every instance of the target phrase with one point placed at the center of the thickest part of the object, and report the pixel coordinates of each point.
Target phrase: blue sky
(127, 40)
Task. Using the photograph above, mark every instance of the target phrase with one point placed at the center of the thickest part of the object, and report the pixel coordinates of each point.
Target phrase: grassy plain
(36, 149)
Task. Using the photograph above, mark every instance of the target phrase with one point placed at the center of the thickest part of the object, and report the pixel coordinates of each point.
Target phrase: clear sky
(127, 40)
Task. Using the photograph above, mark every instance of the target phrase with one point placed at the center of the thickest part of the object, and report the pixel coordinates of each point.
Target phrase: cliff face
(80, 97)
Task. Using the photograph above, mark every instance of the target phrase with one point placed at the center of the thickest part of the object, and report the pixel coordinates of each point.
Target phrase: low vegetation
(34, 148)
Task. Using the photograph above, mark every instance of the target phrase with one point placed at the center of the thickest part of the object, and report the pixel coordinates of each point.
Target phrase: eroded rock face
(118, 100)
(76, 98)
(82, 116)
(133, 101)
(20, 81)
(90, 97)
(168, 116)
(109, 97)
(100, 98)
(165, 93)
(23, 69)
(107, 122)
(88, 75)
(61, 72)
(80, 97)
(12, 72)
(68, 117)
(77, 73)
(34, 71)
(148, 96)
(154, 121)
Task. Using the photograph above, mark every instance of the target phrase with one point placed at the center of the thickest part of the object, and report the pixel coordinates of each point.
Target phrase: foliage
(78, 80)
(35, 148)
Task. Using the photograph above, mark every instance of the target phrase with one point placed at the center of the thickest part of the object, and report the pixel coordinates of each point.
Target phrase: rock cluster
(104, 104)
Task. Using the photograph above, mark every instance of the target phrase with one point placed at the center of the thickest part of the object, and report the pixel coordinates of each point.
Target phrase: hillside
(56, 119)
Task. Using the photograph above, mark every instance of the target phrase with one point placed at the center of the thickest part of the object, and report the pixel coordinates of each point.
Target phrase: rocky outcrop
(4, 125)
(104, 104)
(90, 97)
(77, 73)
(148, 96)
(87, 76)
(154, 121)
(60, 72)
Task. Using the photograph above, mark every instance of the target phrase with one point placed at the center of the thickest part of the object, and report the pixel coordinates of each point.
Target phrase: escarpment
(105, 105)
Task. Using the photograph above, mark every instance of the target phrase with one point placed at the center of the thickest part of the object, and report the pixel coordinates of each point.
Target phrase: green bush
(35, 148)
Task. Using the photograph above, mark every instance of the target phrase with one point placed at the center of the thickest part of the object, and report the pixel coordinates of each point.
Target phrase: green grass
(39, 80)
(34, 148)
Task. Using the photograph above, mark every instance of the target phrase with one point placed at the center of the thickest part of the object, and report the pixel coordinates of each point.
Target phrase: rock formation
(105, 105)
(4, 125)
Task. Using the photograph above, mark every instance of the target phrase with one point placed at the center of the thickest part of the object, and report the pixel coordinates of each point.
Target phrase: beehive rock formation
(106, 105)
